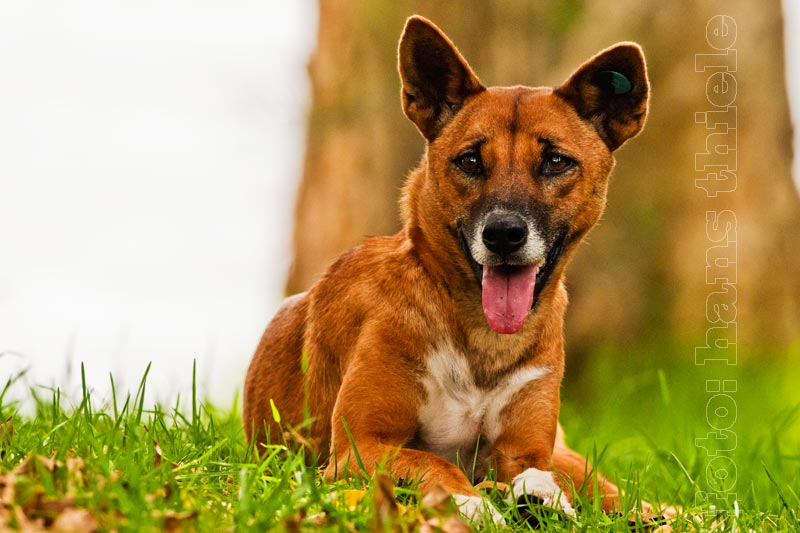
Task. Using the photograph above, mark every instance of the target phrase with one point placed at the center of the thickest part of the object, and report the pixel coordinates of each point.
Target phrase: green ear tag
(616, 81)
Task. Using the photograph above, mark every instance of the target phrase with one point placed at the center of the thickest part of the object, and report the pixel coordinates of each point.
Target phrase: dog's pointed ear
(436, 79)
(611, 91)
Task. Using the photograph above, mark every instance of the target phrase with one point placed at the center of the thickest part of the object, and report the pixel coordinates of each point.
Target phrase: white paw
(478, 509)
(541, 484)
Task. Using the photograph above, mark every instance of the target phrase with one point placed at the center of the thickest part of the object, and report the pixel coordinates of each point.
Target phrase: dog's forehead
(502, 111)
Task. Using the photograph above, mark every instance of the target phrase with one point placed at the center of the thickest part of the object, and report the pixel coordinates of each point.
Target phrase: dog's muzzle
(512, 264)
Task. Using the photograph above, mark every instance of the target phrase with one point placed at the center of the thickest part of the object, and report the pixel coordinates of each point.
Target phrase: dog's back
(276, 374)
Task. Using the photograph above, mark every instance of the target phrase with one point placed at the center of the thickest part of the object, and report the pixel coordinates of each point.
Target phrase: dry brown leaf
(72, 472)
(439, 499)
(75, 473)
(174, 520)
(7, 483)
(6, 433)
(318, 519)
(446, 517)
(158, 453)
(27, 466)
(292, 524)
(25, 524)
(49, 463)
(22, 468)
(699, 520)
(76, 521)
(499, 486)
(386, 507)
(49, 507)
(450, 524)
(47, 510)
(38, 512)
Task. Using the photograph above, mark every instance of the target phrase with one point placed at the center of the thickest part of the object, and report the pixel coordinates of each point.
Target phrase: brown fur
(368, 325)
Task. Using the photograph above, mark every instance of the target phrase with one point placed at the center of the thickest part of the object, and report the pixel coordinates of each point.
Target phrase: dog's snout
(504, 233)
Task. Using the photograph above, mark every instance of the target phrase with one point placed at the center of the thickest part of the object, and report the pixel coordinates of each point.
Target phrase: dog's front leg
(378, 403)
(523, 452)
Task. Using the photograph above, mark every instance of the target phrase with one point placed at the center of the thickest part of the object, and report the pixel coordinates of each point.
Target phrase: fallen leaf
(386, 507)
(499, 486)
(7, 484)
(439, 500)
(158, 454)
(24, 524)
(68, 475)
(450, 524)
(75, 467)
(24, 505)
(46, 509)
(76, 521)
(318, 519)
(174, 521)
(6, 433)
(51, 507)
(27, 466)
(446, 517)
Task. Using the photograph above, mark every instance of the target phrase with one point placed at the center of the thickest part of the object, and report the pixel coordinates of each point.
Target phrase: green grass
(138, 467)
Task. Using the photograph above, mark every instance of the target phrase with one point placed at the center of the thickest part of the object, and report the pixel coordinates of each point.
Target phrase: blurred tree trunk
(641, 278)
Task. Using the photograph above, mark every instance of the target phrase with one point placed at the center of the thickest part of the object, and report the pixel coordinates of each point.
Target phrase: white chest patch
(457, 412)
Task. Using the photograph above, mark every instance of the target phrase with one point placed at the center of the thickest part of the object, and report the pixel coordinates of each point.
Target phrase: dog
(443, 344)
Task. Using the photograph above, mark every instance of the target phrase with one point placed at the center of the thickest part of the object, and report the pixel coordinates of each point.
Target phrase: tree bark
(642, 277)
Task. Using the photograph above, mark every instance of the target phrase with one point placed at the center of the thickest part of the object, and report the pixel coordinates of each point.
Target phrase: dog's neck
(491, 355)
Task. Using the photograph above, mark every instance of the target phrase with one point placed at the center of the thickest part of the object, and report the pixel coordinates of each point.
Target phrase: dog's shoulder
(379, 284)
(377, 268)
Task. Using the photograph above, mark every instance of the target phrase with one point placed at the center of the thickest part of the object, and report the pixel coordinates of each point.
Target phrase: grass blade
(355, 449)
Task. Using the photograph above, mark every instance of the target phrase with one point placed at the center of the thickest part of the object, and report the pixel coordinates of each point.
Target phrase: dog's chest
(457, 414)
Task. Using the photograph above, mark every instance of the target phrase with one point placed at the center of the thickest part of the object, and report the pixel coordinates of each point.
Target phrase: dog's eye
(555, 164)
(470, 163)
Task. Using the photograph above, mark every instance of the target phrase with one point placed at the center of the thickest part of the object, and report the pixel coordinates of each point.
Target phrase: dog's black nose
(504, 233)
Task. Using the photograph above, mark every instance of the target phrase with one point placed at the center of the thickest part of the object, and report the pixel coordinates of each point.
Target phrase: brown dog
(443, 343)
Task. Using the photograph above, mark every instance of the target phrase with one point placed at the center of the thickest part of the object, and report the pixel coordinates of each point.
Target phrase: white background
(149, 155)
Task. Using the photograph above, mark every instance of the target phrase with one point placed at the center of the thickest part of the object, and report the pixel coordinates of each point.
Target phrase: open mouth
(511, 292)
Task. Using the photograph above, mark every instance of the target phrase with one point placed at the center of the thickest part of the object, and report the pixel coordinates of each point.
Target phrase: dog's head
(515, 176)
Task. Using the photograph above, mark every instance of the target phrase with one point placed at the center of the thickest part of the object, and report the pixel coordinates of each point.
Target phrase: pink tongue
(507, 296)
